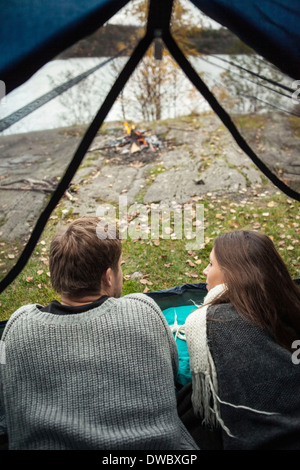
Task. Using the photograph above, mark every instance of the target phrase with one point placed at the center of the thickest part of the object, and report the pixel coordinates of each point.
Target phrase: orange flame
(138, 135)
(127, 127)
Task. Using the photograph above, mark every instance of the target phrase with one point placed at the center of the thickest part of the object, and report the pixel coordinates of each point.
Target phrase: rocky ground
(188, 158)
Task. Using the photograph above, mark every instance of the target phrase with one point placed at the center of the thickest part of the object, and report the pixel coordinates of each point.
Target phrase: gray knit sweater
(102, 379)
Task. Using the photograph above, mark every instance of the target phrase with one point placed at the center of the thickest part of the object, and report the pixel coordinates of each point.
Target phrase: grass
(154, 264)
(294, 121)
(250, 122)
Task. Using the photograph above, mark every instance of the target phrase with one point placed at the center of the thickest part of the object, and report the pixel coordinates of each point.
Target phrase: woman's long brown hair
(259, 285)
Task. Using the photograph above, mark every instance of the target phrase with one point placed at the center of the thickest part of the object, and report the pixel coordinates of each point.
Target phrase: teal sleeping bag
(178, 315)
(176, 304)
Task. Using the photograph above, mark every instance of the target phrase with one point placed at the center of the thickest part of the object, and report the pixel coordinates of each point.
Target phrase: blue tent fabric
(32, 33)
(270, 27)
(186, 294)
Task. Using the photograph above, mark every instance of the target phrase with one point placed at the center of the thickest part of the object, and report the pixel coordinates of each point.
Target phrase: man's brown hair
(79, 256)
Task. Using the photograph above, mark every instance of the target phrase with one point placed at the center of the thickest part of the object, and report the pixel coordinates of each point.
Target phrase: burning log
(138, 141)
(139, 147)
(133, 142)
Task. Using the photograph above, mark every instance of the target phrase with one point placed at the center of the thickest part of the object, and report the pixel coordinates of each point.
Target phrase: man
(95, 370)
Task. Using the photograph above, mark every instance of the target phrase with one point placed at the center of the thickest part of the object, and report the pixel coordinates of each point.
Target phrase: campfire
(134, 141)
(133, 147)
(138, 140)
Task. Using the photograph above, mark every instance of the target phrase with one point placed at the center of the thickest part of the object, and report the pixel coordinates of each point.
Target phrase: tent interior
(35, 35)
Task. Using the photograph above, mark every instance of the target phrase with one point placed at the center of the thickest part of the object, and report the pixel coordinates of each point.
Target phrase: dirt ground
(188, 157)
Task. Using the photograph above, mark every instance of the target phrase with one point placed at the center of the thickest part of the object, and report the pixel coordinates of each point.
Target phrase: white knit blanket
(204, 378)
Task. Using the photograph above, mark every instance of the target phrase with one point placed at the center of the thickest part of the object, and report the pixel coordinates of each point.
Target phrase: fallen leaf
(136, 164)
(190, 263)
(146, 281)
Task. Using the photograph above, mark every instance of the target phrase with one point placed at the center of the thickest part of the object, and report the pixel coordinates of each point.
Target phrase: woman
(245, 384)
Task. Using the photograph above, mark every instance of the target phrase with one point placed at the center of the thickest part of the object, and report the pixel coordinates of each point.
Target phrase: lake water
(79, 103)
